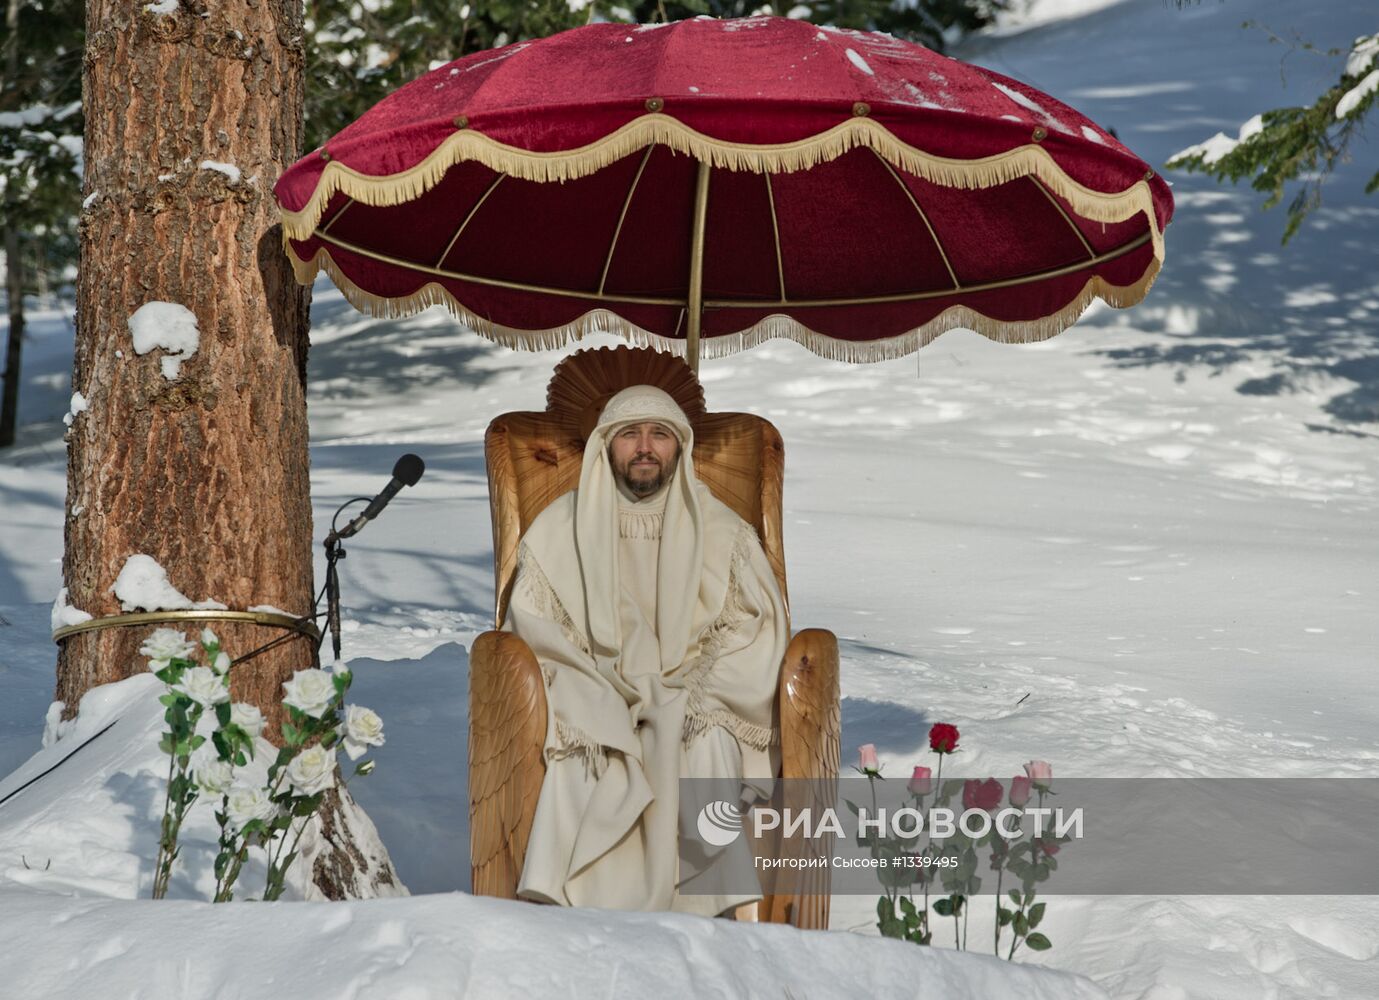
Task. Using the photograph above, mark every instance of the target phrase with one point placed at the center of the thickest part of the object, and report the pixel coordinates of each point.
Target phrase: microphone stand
(405, 473)
(334, 553)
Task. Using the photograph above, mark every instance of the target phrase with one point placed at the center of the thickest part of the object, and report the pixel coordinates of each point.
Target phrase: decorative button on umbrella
(706, 185)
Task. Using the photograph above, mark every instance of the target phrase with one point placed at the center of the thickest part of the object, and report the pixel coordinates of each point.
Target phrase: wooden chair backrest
(533, 458)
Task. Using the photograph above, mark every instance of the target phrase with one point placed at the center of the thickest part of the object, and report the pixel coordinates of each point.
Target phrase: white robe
(625, 724)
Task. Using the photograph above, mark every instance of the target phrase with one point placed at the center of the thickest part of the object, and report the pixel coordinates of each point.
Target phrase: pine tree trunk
(14, 290)
(14, 261)
(207, 472)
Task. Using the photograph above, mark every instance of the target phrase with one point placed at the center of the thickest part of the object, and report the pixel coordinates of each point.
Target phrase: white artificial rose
(310, 691)
(166, 644)
(248, 718)
(246, 803)
(209, 638)
(312, 770)
(204, 686)
(362, 729)
(210, 773)
(222, 662)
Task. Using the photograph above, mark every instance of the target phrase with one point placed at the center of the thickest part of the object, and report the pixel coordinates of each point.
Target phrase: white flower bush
(312, 770)
(270, 817)
(362, 729)
(311, 692)
(245, 804)
(203, 686)
(164, 646)
(247, 717)
(210, 773)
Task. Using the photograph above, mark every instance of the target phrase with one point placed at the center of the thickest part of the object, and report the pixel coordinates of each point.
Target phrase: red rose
(1048, 846)
(984, 795)
(943, 738)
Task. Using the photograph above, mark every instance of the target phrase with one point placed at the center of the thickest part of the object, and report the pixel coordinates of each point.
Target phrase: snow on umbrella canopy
(853, 192)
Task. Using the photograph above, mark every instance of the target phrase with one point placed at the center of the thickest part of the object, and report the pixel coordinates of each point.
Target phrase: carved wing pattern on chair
(507, 730)
(810, 728)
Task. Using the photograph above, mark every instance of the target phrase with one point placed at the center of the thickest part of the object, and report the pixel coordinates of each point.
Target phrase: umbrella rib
(775, 235)
(626, 203)
(1066, 218)
(336, 217)
(985, 286)
(571, 293)
(472, 212)
(647, 300)
(957, 285)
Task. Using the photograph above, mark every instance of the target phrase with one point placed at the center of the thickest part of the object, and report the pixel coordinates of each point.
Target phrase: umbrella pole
(695, 307)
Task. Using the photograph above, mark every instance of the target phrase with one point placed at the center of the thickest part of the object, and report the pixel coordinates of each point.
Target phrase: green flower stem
(172, 826)
(996, 947)
(163, 845)
(1000, 876)
(928, 875)
(224, 891)
(924, 878)
(1024, 902)
(890, 891)
(277, 878)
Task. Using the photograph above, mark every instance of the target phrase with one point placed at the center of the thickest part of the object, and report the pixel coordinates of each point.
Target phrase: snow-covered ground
(1144, 548)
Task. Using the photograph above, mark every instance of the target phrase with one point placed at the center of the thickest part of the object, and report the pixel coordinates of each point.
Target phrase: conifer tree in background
(360, 50)
(1303, 144)
(933, 23)
(40, 163)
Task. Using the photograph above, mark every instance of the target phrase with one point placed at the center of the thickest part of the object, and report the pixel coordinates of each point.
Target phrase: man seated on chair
(660, 631)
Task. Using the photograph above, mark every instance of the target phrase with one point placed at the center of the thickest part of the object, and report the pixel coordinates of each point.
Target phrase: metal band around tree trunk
(268, 618)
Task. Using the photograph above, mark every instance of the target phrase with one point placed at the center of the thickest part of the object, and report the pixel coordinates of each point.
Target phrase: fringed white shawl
(635, 705)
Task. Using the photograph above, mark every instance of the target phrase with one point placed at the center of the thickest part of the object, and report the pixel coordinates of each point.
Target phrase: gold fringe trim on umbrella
(660, 129)
(778, 326)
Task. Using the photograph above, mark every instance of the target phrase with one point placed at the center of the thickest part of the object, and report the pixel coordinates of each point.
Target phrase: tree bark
(14, 290)
(208, 472)
(14, 261)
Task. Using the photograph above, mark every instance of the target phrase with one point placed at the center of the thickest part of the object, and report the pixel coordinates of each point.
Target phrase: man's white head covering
(681, 559)
(639, 403)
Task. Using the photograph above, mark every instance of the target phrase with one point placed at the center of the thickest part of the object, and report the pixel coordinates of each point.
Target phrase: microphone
(406, 472)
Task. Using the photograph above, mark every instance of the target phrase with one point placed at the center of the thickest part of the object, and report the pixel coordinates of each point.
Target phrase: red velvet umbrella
(764, 177)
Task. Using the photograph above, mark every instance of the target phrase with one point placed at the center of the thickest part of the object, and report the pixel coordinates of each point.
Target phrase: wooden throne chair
(533, 458)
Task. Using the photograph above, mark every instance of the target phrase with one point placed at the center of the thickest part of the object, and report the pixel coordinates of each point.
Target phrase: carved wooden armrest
(507, 730)
(810, 728)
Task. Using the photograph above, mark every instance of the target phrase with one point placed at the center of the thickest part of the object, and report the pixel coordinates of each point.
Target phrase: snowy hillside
(1146, 547)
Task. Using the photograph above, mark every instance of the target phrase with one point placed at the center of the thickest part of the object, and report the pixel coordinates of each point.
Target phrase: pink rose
(921, 782)
(866, 758)
(1019, 790)
(1040, 773)
(984, 795)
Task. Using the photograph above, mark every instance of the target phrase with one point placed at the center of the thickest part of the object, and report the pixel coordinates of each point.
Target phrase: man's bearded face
(643, 456)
